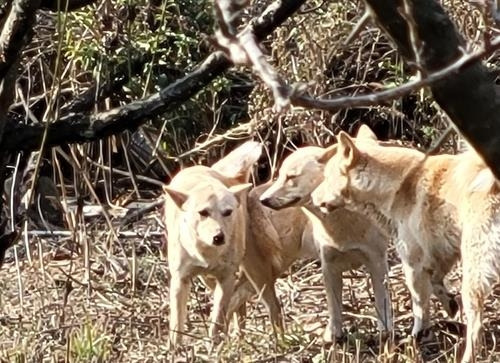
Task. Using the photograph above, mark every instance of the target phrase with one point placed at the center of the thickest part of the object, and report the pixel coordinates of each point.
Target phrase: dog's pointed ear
(366, 133)
(328, 154)
(347, 150)
(240, 190)
(179, 198)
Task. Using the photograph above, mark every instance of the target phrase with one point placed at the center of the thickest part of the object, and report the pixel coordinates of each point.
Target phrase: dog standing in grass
(205, 217)
(278, 237)
(438, 207)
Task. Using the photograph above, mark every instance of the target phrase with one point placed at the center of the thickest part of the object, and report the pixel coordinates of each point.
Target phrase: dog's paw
(331, 337)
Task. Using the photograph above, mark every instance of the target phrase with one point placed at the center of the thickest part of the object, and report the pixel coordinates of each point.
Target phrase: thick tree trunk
(468, 97)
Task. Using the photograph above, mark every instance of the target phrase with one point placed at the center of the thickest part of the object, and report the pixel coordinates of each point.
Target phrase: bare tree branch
(376, 98)
(470, 97)
(119, 76)
(243, 48)
(16, 26)
(78, 128)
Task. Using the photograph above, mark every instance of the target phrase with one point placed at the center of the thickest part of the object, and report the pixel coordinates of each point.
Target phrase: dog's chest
(436, 232)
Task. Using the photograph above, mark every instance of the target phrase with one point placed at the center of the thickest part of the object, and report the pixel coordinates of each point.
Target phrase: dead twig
(243, 49)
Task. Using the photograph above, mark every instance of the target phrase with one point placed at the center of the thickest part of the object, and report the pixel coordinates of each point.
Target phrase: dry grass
(110, 308)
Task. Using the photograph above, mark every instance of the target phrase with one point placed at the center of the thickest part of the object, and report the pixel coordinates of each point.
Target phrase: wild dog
(438, 208)
(277, 237)
(205, 216)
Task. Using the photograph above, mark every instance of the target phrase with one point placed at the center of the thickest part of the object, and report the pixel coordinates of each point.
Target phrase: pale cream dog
(438, 207)
(205, 217)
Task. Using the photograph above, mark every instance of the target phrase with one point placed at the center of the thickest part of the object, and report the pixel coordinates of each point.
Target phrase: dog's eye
(290, 180)
(227, 212)
(204, 213)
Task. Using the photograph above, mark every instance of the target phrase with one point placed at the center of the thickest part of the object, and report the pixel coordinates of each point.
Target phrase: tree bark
(469, 97)
(70, 4)
(13, 35)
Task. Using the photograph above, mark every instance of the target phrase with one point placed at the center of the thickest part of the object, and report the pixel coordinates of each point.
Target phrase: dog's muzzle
(267, 202)
(273, 204)
(218, 239)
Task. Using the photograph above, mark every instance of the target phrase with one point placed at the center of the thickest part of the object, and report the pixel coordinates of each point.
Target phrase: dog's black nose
(326, 206)
(266, 202)
(218, 239)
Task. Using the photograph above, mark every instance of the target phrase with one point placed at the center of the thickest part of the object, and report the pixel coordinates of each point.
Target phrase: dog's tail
(238, 163)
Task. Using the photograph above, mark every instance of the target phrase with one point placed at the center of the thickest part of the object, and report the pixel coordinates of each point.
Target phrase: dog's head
(300, 174)
(209, 211)
(346, 173)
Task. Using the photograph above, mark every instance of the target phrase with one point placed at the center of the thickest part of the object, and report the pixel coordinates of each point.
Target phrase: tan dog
(205, 216)
(437, 206)
(277, 238)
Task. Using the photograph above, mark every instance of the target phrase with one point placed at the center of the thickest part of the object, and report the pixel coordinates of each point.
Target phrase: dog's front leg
(419, 284)
(377, 267)
(179, 293)
(222, 296)
(333, 285)
(417, 279)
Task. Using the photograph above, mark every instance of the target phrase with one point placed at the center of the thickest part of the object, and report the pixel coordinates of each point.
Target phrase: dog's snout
(266, 201)
(326, 207)
(218, 239)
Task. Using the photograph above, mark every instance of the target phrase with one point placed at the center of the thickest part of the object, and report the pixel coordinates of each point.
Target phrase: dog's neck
(383, 199)
(379, 219)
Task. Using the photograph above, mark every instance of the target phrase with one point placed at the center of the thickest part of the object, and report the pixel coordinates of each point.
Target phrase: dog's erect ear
(366, 133)
(328, 154)
(240, 190)
(348, 151)
(179, 198)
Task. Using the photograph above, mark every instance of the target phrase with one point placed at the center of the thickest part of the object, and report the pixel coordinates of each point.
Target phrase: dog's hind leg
(473, 300)
(243, 292)
(259, 270)
(266, 292)
(179, 293)
(446, 298)
(479, 274)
